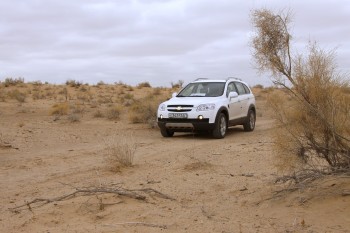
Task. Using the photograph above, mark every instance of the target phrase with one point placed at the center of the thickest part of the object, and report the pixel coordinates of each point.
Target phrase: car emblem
(179, 108)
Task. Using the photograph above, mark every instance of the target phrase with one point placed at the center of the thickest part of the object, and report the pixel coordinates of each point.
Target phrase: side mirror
(232, 94)
(174, 94)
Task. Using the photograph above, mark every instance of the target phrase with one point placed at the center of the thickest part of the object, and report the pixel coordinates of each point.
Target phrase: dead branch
(137, 224)
(309, 175)
(151, 190)
(92, 191)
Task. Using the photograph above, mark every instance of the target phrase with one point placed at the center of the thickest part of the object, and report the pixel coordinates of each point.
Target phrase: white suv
(208, 105)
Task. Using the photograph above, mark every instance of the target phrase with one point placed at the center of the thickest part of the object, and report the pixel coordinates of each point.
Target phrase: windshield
(204, 89)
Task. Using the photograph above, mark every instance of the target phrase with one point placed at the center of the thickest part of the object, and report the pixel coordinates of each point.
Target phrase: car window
(247, 91)
(231, 87)
(240, 88)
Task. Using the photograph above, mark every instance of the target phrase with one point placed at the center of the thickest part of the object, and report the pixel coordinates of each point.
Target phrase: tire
(249, 125)
(220, 126)
(166, 133)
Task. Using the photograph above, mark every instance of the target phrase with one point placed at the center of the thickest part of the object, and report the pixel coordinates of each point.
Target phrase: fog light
(200, 117)
(161, 116)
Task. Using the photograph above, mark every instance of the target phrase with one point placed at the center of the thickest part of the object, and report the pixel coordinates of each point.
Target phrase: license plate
(178, 115)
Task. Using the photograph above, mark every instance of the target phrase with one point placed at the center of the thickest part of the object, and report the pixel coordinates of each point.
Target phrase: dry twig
(92, 191)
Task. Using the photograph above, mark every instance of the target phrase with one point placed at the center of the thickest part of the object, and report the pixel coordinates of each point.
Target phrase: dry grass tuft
(113, 113)
(121, 151)
(60, 109)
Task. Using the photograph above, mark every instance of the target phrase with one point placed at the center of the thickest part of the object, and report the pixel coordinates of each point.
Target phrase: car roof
(203, 80)
(218, 80)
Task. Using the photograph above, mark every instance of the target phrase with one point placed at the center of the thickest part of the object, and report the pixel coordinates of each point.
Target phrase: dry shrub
(127, 100)
(157, 91)
(37, 93)
(60, 109)
(13, 82)
(145, 110)
(2, 95)
(113, 113)
(17, 95)
(312, 111)
(177, 85)
(98, 114)
(258, 86)
(73, 117)
(85, 96)
(36, 83)
(144, 84)
(105, 99)
(121, 151)
(73, 83)
(78, 109)
(128, 96)
(65, 93)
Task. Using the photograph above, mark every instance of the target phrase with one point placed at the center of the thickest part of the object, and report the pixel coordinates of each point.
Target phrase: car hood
(190, 100)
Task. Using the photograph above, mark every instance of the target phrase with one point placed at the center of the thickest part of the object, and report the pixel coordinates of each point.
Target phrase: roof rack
(200, 79)
(234, 78)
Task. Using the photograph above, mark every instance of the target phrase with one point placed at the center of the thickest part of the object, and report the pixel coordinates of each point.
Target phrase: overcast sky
(159, 41)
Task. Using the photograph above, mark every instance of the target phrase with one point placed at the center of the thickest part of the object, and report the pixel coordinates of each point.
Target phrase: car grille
(180, 108)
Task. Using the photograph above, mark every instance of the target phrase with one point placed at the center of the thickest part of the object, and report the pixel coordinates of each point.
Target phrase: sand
(224, 185)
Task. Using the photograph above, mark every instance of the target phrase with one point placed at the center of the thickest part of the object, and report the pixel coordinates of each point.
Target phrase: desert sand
(209, 185)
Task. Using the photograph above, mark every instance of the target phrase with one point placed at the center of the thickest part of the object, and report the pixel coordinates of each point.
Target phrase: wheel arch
(252, 107)
(223, 110)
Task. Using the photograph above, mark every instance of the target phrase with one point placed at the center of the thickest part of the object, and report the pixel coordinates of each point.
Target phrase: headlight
(162, 107)
(205, 107)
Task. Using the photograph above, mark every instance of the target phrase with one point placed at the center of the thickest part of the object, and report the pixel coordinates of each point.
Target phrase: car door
(234, 106)
(243, 99)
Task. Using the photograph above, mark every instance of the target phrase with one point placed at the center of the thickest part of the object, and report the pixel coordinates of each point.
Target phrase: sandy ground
(215, 185)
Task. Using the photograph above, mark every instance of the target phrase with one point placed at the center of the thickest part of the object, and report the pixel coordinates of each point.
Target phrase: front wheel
(249, 125)
(166, 133)
(220, 126)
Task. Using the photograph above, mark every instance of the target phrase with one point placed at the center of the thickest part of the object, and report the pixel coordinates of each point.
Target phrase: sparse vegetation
(314, 125)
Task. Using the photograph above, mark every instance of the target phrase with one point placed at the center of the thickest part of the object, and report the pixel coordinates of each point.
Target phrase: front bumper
(185, 125)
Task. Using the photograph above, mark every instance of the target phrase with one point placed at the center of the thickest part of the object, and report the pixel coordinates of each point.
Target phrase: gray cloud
(151, 40)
